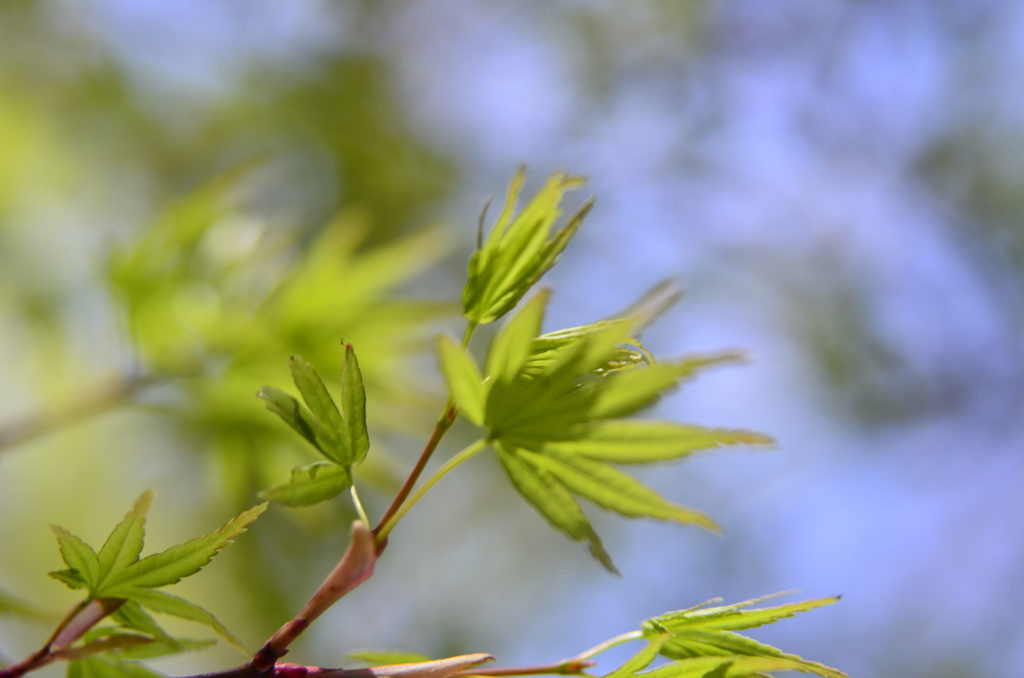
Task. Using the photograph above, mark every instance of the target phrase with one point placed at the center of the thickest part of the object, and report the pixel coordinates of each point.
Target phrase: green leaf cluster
(127, 585)
(519, 249)
(703, 642)
(339, 434)
(553, 406)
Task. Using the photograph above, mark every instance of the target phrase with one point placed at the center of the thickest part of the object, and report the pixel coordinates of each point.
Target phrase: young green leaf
(293, 413)
(514, 343)
(124, 544)
(71, 578)
(614, 490)
(462, 378)
(552, 404)
(78, 556)
(632, 390)
(165, 603)
(353, 404)
(734, 617)
(340, 435)
(321, 404)
(710, 632)
(310, 485)
(518, 250)
(722, 667)
(177, 562)
(162, 649)
(131, 616)
(642, 441)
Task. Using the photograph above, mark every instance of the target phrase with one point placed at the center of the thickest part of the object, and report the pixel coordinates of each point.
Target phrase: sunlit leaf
(734, 617)
(519, 249)
(553, 501)
(710, 632)
(612, 489)
(511, 347)
(462, 378)
(642, 659)
(632, 390)
(641, 441)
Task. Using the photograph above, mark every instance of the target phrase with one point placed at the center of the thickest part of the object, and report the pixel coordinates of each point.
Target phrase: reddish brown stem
(443, 424)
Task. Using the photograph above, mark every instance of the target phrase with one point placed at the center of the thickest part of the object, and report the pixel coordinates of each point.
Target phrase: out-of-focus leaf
(310, 485)
(383, 657)
(71, 578)
(103, 667)
(13, 606)
(165, 603)
(131, 616)
(162, 649)
(734, 617)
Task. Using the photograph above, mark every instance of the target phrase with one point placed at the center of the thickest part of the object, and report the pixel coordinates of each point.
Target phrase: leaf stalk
(385, 527)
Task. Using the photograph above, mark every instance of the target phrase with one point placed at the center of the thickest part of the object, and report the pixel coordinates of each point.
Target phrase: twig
(443, 424)
(78, 621)
(95, 400)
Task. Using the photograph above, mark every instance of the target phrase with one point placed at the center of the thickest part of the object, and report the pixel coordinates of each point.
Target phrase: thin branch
(385, 528)
(94, 400)
(78, 621)
(443, 424)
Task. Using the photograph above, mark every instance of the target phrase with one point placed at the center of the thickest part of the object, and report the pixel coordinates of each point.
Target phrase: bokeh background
(838, 184)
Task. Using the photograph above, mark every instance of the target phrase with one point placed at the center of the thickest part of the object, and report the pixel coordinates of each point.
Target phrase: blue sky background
(838, 185)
